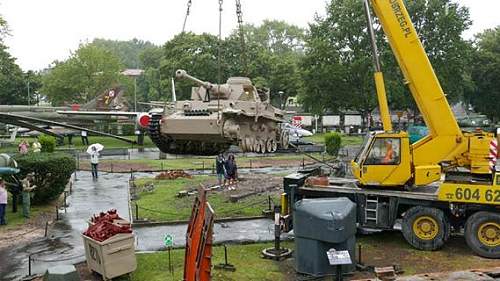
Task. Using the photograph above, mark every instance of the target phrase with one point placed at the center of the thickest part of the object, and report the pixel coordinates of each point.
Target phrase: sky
(47, 30)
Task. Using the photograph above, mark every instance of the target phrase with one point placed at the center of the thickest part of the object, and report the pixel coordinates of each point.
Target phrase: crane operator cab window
(384, 151)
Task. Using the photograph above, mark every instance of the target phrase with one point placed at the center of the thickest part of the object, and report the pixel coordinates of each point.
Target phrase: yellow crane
(437, 186)
(387, 158)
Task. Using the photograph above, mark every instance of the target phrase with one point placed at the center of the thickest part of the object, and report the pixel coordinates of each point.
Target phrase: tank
(217, 116)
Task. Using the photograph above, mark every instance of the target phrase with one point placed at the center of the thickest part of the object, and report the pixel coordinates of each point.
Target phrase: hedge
(48, 143)
(333, 141)
(52, 173)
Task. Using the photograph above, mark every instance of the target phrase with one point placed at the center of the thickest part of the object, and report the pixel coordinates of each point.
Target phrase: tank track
(168, 145)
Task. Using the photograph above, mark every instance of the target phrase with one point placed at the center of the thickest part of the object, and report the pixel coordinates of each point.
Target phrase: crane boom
(388, 159)
(422, 81)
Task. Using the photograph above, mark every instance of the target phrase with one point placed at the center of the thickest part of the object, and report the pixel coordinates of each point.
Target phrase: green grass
(15, 220)
(163, 204)
(207, 163)
(382, 249)
(346, 140)
(246, 258)
(108, 142)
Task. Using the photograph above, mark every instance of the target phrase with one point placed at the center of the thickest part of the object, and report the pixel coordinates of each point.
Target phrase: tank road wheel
(262, 145)
(249, 144)
(256, 145)
(482, 234)
(272, 145)
(284, 139)
(425, 228)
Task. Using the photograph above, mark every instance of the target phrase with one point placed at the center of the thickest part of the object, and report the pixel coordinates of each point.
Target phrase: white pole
(135, 93)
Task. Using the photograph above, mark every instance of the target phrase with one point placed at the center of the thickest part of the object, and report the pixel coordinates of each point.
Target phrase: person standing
(23, 147)
(36, 146)
(28, 187)
(85, 139)
(94, 161)
(3, 202)
(219, 168)
(231, 172)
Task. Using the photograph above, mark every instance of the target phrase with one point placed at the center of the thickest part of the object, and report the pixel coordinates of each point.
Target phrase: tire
(477, 229)
(425, 228)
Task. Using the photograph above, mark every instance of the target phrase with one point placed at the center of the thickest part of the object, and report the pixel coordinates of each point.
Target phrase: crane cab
(384, 160)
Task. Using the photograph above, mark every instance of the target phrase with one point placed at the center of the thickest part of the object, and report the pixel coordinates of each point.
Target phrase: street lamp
(29, 99)
(281, 99)
(134, 73)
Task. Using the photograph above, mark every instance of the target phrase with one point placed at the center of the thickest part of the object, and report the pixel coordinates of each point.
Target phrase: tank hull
(217, 116)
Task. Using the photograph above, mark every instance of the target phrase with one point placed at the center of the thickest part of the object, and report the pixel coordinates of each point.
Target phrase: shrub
(333, 141)
(48, 143)
(52, 173)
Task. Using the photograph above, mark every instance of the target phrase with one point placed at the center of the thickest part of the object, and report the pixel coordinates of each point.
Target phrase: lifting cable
(243, 57)
(219, 71)
(189, 3)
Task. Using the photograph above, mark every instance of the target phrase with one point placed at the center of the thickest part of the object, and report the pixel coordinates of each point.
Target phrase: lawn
(246, 258)
(346, 140)
(383, 249)
(15, 220)
(108, 142)
(163, 204)
(207, 163)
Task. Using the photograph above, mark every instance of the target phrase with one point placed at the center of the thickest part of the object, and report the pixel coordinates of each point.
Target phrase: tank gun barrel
(182, 74)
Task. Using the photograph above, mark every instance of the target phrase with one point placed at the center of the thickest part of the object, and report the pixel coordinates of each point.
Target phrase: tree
(486, 74)
(4, 28)
(12, 83)
(128, 52)
(197, 54)
(338, 63)
(274, 50)
(339, 46)
(13, 88)
(89, 71)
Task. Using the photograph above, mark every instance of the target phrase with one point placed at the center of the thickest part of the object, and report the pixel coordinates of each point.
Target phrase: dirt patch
(256, 183)
(263, 163)
(32, 229)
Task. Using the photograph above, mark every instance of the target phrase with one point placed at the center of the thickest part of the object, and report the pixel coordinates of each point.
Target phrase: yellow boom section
(445, 139)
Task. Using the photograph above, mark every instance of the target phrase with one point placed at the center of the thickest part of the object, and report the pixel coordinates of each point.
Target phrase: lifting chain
(239, 15)
(189, 3)
(219, 70)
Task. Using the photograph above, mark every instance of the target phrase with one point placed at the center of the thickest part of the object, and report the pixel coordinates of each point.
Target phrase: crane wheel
(425, 228)
(482, 234)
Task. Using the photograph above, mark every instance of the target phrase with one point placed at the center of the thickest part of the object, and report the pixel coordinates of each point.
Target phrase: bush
(52, 173)
(333, 141)
(48, 143)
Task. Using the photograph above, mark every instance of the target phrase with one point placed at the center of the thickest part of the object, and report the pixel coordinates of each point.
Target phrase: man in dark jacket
(219, 168)
(231, 172)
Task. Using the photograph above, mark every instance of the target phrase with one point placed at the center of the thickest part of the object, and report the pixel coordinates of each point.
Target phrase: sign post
(338, 258)
(168, 240)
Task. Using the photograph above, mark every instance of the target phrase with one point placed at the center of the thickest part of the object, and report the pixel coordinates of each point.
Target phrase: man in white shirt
(94, 161)
(85, 139)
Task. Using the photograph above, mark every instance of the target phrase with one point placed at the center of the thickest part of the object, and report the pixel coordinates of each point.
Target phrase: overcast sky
(47, 30)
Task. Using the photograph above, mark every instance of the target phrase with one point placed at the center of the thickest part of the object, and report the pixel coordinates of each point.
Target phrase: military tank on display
(217, 116)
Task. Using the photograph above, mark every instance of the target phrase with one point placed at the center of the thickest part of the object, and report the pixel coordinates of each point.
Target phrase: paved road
(64, 244)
